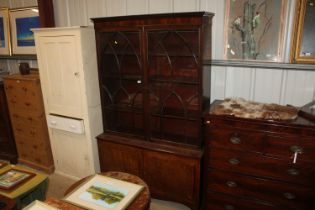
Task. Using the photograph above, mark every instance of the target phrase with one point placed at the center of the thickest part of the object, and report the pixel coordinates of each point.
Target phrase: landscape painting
(104, 195)
(25, 36)
(13, 177)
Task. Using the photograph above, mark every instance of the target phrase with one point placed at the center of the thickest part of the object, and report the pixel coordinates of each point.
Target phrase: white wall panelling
(137, 7)
(116, 7)
(160, 6)
(61, 13)
(77, 12)
(96, 9)
(186, 5)
(265, 85)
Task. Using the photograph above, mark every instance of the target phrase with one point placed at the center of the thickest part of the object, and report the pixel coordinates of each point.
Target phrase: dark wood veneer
(152, 94)
(7, 143)
(252, 160)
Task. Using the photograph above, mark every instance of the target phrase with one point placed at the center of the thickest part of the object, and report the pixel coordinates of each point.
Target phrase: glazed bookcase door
(121, 80)
(174, 84)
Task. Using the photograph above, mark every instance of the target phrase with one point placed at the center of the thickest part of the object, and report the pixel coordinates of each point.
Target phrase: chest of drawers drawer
(292, 196)
(283, 147)
(237, 139)
(262, 166)
(219, 201)
(24, 94)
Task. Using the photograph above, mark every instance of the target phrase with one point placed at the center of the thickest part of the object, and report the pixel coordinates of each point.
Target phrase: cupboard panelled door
(62, 65)
(176, 174)
(119, 158)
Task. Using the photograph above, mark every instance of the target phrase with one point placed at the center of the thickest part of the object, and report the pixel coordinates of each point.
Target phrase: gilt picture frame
(104, 193)
(3, 164)
(21, 22)
(5, 43)
(254, 30)
(13, 178)
(303, 45)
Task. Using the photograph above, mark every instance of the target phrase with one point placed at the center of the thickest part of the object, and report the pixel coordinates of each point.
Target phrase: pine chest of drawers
(256, 164)
(25, 102)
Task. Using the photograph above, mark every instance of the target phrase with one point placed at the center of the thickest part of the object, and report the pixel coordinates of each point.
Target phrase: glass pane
(121, 54)
(121, 82)
(173, 55)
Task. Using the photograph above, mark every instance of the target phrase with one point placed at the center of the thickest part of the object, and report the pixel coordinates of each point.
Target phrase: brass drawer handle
(229, 207)
(296, 149)
(231, 184)
(234, 161)
(289, 196)
(293, 172)
(235, 140)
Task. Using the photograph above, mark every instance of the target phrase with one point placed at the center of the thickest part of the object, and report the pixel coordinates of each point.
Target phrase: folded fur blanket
(239, 107)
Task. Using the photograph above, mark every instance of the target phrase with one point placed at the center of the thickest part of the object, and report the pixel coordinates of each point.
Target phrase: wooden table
(7, 203)
(141, 202)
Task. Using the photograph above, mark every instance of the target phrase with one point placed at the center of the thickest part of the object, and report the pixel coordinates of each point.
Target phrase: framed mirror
(303, 45)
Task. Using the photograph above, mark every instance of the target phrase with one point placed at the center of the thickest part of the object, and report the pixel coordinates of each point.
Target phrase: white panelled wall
(293, 87)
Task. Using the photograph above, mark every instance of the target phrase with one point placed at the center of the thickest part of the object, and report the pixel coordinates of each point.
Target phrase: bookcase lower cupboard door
(153, 96)
(170, 176)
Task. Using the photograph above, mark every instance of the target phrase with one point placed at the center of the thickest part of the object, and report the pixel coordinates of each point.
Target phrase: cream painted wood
(62, 64)
(70, 154)
(266, 85)
(67, 63)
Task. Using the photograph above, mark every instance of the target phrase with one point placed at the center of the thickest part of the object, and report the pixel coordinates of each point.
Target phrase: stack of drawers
(27, 115)
(253, 164)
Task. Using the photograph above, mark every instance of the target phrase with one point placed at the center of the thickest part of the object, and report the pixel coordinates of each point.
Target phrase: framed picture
(5, 44)
(254, 29)
(13, 178)
(38, 205)
(21, 21)
(104, 193)
(2, 164)
(303, 45)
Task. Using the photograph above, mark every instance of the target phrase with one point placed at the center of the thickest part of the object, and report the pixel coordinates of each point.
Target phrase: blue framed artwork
(22, 21)
(5, 47)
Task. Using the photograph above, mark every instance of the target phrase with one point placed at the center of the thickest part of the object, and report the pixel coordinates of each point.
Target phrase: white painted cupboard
(69, 79)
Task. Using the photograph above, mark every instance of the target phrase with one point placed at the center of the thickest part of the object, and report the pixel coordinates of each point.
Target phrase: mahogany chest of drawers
(25, 102)
(256, 164)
